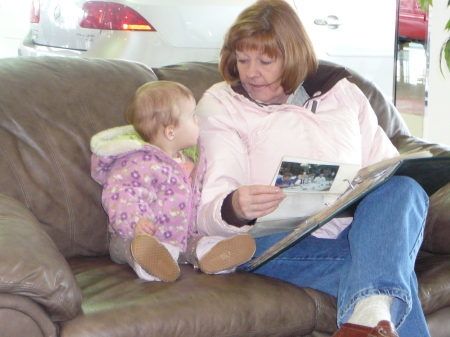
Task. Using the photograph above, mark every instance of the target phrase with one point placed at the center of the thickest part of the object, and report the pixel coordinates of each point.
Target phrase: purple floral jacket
(141, 181)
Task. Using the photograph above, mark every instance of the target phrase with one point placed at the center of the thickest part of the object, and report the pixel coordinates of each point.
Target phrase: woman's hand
(144, 226)
(250, 202)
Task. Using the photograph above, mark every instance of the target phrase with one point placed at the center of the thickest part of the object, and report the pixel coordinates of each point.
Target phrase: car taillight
(112, 16)
(35, 13)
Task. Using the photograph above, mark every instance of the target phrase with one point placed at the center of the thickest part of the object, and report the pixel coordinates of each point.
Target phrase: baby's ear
(169, 132)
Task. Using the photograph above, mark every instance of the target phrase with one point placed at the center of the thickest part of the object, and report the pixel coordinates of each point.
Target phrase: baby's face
(188, 128)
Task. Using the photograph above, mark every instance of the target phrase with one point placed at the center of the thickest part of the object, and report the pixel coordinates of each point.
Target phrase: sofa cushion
(437, 233)
(117, 303)
(197, 76)
(433, 274)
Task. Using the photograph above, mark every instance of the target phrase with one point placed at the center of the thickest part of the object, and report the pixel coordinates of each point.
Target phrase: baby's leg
(157, 259)
(120, 250)
(216, 254)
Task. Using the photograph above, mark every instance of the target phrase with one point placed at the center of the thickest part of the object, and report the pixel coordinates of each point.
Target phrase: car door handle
(332, 22)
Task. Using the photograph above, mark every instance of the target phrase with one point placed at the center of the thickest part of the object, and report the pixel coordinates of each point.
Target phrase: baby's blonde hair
(154, 106)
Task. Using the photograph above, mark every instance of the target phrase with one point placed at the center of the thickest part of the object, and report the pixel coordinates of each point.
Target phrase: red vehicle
(413, 22)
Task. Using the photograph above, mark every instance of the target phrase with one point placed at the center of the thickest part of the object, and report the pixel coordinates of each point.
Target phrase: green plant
(445, 49)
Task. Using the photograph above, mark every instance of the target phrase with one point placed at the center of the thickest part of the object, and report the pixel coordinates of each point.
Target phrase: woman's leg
(312, 262)
(383, 239)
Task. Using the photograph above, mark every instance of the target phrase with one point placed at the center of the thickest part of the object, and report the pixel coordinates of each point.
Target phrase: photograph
(311, 177)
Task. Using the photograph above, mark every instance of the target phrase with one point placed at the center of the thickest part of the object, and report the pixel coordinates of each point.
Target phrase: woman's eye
(266, 62)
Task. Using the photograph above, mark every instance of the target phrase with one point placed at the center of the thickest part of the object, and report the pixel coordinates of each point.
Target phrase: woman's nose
(252, 70)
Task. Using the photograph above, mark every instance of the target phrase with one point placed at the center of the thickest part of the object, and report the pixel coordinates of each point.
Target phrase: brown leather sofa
(56, 278)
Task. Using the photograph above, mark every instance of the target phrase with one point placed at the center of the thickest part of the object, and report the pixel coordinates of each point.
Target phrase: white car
(153, 32)
(162, 32)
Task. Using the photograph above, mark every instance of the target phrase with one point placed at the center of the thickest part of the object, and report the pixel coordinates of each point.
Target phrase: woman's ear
(169, 132)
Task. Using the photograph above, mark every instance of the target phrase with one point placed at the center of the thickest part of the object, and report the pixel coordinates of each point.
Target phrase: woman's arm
(251, 202)
(375, 144)
(224, 141)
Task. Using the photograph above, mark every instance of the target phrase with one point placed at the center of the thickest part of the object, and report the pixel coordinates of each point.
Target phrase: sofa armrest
(32, 266)
(21, 316)
(437, 230)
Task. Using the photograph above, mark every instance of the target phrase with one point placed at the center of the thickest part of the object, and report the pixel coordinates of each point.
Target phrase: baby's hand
(144, 226)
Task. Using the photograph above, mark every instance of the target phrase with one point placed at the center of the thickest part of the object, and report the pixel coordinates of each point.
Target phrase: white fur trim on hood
(106, 143)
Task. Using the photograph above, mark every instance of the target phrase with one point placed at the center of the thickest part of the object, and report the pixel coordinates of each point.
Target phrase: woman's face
(260, 75)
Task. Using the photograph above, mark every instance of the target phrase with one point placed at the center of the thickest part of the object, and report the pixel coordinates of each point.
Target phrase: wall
(436, 123)
(14, 25)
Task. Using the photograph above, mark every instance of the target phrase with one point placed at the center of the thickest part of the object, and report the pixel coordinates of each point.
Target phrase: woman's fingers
(252, 202)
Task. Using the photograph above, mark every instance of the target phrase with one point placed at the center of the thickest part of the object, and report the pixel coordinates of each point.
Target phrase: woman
(275, 101)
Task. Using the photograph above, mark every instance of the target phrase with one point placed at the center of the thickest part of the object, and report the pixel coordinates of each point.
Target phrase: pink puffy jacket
(141, 181)
(245, 141)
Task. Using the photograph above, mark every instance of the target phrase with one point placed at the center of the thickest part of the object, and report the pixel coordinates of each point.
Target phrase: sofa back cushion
(197, 76)
(50, 108)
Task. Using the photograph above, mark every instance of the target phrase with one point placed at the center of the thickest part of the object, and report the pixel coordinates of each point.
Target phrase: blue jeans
(374, 255)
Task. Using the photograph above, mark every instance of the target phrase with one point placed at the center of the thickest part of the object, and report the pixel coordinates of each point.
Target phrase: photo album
(310, 186)
(316, 192)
